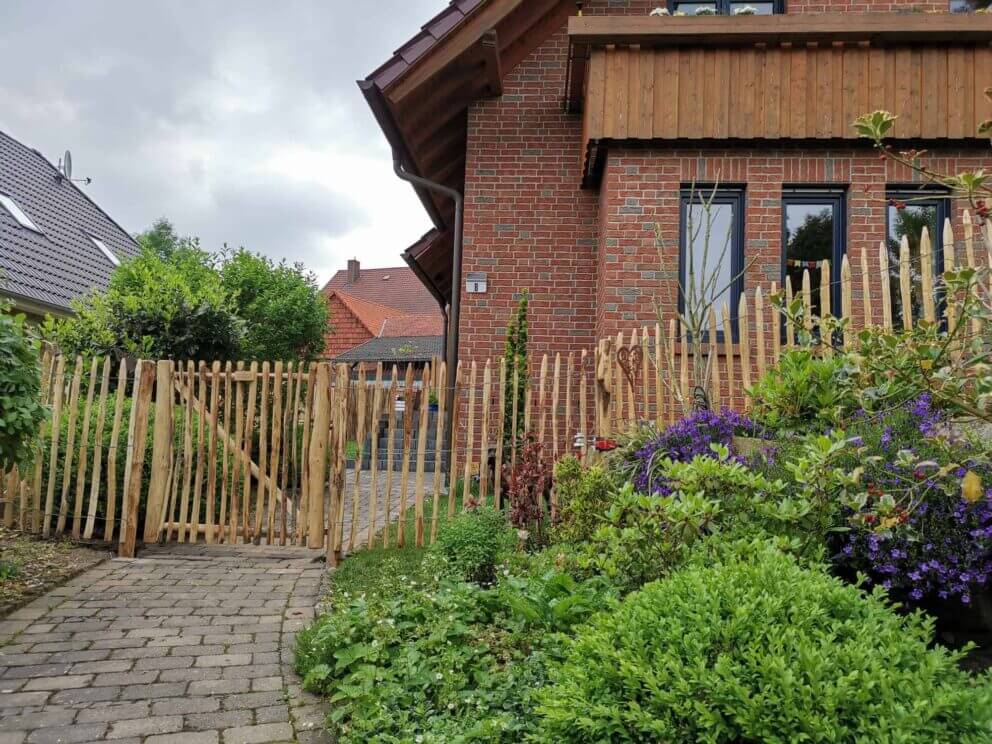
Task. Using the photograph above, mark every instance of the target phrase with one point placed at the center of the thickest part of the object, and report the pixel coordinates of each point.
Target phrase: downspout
(451, 340)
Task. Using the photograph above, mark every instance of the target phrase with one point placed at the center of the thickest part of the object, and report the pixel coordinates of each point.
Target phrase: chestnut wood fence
(326, 456)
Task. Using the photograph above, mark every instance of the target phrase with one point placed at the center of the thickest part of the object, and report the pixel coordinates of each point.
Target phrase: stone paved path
(183, 645)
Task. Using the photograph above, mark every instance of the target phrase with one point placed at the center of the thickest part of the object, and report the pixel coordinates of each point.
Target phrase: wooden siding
(784, 92)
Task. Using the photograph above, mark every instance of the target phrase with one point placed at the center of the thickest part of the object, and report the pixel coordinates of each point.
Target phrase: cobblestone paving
(183, 645)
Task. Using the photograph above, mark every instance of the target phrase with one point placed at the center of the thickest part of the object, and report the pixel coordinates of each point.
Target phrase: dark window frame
(736, 196)
(927, 196)
(813, 195)
(723, 6)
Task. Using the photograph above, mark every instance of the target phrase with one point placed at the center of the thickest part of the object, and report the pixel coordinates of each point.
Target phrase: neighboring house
(382, 315)
(572, 137)
(56, 244)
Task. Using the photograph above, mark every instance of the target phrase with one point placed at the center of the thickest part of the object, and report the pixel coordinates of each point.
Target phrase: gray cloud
(240, 121)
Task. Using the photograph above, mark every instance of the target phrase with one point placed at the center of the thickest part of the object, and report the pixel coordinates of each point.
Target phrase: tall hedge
(20, 384)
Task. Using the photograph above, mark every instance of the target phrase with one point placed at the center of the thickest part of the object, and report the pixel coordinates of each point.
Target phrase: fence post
(318, 454)
(136, 456)
(161, 446)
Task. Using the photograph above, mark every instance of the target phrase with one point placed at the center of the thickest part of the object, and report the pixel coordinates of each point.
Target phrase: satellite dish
(67, 166)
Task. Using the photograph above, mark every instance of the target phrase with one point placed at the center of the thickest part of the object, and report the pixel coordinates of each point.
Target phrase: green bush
(804, 392)
(583, 498)
(760, 650)
(20, 380)
(434, 666)
(644, 537)
(470, 545)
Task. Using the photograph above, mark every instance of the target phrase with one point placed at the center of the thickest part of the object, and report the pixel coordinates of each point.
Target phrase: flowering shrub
(921, 524)
(691, 437)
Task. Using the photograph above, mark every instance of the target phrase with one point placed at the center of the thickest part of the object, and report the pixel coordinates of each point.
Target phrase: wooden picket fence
(326, 456)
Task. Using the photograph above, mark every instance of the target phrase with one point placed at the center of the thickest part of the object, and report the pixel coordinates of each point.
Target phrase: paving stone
(110, 712)
(272, 714)
(66, 682)
(49, 717)
(266, 684)
(219, 687)
(221, 720)
(268, 732)
(85, 695)
(12, 737)
(68, 734)
(189, 675)
(252, 700)
(184, 705)
(224, 660)
(146, 726)
(200, 737)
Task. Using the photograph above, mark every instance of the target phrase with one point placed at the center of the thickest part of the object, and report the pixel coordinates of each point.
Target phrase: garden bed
(29, 566)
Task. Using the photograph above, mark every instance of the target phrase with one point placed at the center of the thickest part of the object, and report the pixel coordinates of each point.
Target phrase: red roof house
(370, 304)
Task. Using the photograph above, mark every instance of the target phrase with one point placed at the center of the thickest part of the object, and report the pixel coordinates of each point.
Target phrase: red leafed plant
(528, 485)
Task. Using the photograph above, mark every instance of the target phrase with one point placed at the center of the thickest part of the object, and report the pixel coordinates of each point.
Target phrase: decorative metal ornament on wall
(700, 399)
(630, 358)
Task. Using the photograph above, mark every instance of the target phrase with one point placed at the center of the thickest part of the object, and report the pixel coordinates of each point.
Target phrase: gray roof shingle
(62, 263)
(399, 349)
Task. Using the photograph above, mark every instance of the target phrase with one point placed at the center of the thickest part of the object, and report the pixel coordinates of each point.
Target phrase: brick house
(573, 129)
(381, 315)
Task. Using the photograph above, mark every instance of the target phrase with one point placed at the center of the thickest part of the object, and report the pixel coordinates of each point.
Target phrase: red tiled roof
(371, 314)
(413, 325)
(396, 289)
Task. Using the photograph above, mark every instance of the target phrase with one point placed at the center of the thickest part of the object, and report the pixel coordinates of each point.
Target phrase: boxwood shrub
(760, 649)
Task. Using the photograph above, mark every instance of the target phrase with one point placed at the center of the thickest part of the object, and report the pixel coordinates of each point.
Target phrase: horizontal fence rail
(327, 456)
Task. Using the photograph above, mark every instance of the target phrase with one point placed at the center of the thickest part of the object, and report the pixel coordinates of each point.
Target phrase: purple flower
(684, 441)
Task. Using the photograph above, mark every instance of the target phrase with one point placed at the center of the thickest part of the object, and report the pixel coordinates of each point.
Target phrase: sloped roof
(395, 288)
(400, 349)
(370, 314)
(62, 262)
(413, 325)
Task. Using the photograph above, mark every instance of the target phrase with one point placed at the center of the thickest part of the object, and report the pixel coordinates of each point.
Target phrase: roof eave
(384, 117)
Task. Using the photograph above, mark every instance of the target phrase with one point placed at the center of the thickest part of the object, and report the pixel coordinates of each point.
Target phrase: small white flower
(439, 676)
(419, 739)
(659, 12)
(451, 706)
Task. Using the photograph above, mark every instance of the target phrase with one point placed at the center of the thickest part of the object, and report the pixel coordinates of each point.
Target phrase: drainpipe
(451, 340)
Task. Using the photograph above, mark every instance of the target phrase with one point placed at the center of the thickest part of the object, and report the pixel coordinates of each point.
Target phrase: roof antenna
(65, 170)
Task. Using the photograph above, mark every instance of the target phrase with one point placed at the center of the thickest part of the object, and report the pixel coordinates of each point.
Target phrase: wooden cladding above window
(762, 78)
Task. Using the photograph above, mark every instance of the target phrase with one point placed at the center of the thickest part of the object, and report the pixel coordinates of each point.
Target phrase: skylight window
(17, 213)
(106, 251)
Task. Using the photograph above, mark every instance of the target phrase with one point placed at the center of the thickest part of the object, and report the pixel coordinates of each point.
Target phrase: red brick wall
(529, 225)
(346, 331)
(642, 188)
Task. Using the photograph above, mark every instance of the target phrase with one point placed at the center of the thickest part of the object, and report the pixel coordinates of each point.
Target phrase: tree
(516, 371)
(161, 238)
(20, 381)
(284, 312)
(163, 307)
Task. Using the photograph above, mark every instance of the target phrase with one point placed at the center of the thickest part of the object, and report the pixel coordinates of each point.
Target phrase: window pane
(691, 8)
(709, 241)
(760, 8)
(908, 220)
(968, 6)
(809, 234)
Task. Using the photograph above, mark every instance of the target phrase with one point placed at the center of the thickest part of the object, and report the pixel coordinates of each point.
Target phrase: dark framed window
(711, 250)
(909, 211)
(725, 7)
(968, 6)
(814, 230)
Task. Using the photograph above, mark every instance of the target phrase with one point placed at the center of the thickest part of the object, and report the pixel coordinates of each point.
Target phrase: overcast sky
(239, 120)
